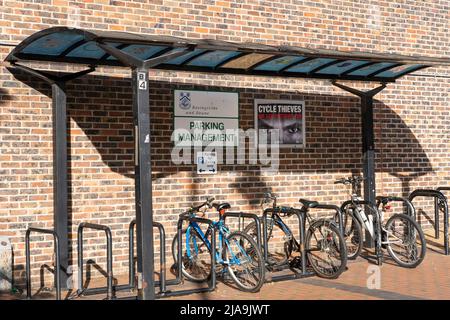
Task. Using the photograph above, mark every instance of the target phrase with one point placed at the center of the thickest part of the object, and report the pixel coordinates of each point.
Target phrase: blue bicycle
(236, 254)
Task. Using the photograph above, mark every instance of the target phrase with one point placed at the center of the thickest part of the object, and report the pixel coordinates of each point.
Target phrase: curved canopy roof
(70, 45)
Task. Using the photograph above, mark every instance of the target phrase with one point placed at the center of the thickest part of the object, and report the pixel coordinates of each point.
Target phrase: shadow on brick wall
(101, 107)
(13, 274)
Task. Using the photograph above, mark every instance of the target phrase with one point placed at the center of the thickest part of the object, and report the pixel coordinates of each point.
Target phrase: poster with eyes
(287, 117)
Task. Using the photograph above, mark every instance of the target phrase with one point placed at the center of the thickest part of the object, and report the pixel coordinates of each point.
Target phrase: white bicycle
(401, 235)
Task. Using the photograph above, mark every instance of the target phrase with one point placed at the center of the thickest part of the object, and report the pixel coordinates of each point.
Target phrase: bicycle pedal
(296, 262)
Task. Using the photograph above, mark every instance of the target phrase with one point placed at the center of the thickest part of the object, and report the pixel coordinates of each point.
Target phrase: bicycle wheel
(325, 249)
(196, 259)
(352, 234)
(405, 241)
(280, 249)
(245, 261)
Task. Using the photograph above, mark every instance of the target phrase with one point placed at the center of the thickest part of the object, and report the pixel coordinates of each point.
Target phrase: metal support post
(60, 184)
(368, 144)
(142, 158)
(143, 184)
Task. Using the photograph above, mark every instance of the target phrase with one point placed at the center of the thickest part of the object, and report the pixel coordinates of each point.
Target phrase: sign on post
(206, 163)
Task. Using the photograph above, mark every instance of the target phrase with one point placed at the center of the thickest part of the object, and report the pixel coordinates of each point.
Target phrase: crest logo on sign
(185, 100)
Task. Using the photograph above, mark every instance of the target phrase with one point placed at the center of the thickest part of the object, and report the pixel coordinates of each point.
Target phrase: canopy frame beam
(60, 171)
(368, 144)
(143, 171)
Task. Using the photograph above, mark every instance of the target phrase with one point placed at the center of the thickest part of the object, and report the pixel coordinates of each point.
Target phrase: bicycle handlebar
(268, 197)
(350, 180)
(208, 202)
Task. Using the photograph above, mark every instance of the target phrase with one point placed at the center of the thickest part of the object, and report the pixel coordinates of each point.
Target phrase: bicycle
(237, 253)
(324, 244)
(400, 235)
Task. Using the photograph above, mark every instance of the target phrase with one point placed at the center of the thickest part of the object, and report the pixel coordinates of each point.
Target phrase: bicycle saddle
(222, 206)
(309, 204)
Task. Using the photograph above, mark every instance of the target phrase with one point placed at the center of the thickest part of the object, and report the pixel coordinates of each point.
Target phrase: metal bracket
(131, 61)
(50, 77)
(357, 92)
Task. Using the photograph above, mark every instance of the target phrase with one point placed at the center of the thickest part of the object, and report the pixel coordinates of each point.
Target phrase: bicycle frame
(223, 241)
(279, 222)
(377, 223)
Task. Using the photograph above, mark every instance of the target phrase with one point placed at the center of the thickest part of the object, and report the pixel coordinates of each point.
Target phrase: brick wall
(412, 115)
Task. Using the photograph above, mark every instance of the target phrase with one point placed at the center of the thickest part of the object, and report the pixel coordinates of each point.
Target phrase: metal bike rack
(359, 202)
(436, 205)
(440, 202)
(338, 214)
(243, 215)
(301, 227)
(411, 211)
(163, 282)
(57, 260)
(110, 294)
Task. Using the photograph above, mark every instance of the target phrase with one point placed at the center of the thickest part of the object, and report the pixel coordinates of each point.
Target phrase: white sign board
(205, 117)
(206, 163)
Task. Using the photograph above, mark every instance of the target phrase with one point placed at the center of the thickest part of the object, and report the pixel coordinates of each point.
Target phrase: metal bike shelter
(141, 53)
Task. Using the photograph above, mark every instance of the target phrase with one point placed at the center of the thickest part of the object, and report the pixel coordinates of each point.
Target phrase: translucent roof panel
(342, 67)
(142, 51)
(247, 61)
(368, 70)
(89, 50)
(394, 72)
(308, 66)
(182, 59)
(212, 59)
(52, 44)
(279, 63)
(82, 46)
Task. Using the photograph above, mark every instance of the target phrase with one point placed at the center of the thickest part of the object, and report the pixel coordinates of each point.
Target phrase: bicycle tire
(353, 234)
(417, 231)
(186, 273)
(278, 259)
(325, 245)
(257, 261)
(377, 223)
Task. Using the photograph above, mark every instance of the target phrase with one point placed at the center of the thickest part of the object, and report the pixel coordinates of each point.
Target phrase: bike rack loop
(249, 216)
(436, 203)
(28, 263)
(163, 282)
(212, 281)
(411, 210)
(301, 226)
(439, 199)
(339, 214)
(110, 294)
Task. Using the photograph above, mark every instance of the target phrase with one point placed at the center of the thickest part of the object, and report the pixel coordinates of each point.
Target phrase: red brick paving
(431, 280)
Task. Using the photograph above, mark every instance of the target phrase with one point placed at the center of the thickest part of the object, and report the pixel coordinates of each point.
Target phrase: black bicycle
(401, 235)
(324, 244)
